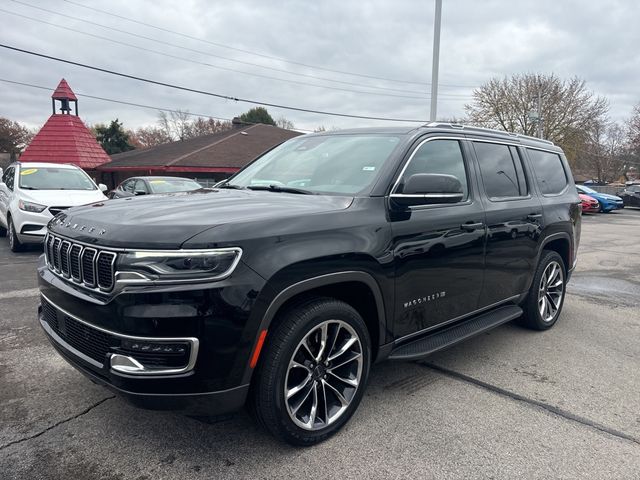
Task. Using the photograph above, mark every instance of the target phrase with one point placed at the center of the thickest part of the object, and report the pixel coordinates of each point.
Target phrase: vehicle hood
(62, 198)
(606, 196)
(167, 221)
(587, 198)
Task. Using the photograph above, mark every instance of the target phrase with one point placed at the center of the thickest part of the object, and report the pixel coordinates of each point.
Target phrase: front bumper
(83, 331)
(31, 227)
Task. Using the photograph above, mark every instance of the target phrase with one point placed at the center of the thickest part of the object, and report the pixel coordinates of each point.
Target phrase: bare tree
(568, 110)
(605, 152)
(149, 137)
(283, 122)
(176, 124)
(206, 126)
(633, 133)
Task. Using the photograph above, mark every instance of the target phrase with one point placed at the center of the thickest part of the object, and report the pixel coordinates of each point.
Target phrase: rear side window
(501, 169)
(438, 156)
(549, 171)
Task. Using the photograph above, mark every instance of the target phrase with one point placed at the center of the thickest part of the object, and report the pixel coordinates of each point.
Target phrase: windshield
(333, 164)
(587, 189)
(168, 185)
(51, 178)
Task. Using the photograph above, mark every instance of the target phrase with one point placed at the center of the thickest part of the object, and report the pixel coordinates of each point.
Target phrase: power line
(204, 92)
(209, 64)
(162, 42)
(280, 59)
(139, 105)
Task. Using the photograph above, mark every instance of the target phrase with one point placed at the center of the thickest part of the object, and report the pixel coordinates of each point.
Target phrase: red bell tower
(64, 94)
(64, 138)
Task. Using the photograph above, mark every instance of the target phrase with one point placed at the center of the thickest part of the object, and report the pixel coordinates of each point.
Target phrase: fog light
(153, 347)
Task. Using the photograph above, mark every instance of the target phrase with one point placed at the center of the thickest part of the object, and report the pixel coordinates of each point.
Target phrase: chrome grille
(87, 266)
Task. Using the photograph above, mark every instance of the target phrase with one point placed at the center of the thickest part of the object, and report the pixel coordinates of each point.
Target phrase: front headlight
(181, 265)
(31, 207)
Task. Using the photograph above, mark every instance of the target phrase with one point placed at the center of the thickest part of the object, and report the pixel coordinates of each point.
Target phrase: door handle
(470, 226)
(534, 216)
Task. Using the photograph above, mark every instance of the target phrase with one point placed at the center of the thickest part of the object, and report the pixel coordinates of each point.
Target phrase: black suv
(282, 286)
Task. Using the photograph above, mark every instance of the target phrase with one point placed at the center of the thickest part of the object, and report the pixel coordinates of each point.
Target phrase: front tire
(14, 241)
(546, 295)
(313, 371)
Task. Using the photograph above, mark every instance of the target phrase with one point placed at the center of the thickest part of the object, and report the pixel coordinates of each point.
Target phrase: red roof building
(208, 158)
(65, 138)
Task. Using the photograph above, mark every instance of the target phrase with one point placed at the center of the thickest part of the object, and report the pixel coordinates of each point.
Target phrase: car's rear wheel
(14, 241)
(313, 371)
(546, 295)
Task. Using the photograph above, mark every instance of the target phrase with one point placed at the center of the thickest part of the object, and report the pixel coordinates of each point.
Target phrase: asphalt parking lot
(511, 403)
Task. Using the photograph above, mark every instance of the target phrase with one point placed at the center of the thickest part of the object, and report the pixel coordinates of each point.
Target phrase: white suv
(32, 193)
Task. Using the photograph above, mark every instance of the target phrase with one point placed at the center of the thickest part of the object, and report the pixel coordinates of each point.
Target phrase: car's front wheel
(313, 371)
(14, 241)
(546, 295)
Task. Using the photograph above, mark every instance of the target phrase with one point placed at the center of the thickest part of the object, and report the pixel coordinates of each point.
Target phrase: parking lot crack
(57, 424)
(535, 403)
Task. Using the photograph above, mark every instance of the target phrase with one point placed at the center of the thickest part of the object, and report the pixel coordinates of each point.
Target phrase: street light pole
(436, 61)
(539, 110)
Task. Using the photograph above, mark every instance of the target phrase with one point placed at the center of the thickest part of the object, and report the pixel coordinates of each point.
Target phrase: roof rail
(459, 126)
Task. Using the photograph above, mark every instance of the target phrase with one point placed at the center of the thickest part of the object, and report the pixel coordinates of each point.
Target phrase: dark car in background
(631, 196)
(135, 186)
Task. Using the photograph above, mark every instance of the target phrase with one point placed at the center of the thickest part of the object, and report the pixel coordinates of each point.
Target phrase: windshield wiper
(230, 185)
(280, 188)
(29, 188)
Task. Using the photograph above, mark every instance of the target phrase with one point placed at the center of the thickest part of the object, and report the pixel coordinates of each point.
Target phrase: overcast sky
(596, 40)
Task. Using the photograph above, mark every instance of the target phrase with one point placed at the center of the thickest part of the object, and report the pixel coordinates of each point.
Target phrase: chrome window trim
(193, 342)
(470, 138)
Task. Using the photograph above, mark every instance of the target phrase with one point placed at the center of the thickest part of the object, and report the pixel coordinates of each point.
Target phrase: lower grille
(93, 343)
(98, 344)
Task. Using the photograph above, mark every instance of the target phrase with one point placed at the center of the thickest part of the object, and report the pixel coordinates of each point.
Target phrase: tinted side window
(500, 176)
(438, 156)
(549, 171)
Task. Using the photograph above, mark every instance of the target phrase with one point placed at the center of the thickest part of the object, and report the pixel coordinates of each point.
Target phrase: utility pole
(436, 61)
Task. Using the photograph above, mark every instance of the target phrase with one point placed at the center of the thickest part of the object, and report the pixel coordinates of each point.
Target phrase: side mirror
(103, 188)
(139, 192)
(429, 188)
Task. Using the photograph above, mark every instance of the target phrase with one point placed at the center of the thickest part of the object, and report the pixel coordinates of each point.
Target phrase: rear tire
(313, 371)
(546, 295)
(14, 241)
